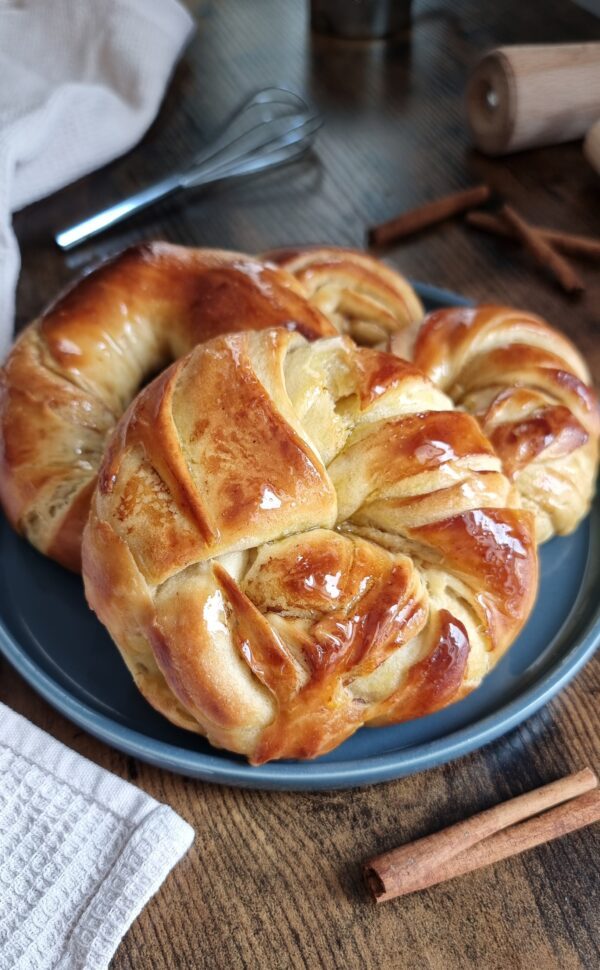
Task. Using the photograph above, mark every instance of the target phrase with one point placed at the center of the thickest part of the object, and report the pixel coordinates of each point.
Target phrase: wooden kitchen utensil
(591, 146)
(525, 96)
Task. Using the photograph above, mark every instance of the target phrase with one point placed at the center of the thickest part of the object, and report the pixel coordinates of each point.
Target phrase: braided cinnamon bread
(72, 372)
(290, 539)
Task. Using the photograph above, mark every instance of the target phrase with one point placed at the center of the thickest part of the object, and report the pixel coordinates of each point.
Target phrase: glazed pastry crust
(72, 372)
(360, 295)
(524, 381)
(530, 390)
(290, 539)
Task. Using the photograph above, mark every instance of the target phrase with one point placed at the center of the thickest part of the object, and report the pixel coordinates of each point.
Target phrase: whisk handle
(74, 235)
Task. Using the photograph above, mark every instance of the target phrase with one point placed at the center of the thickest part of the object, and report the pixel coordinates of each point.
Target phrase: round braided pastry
(530, 390)
(290, 539)
(72, 372)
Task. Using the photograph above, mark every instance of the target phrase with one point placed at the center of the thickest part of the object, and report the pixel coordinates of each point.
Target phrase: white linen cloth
(80, 82)
(81, 853)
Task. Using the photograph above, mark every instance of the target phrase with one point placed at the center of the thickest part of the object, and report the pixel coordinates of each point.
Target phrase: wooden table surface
(273, 879)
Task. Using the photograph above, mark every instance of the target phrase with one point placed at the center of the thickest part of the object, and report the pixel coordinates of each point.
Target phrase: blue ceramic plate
(48, 633)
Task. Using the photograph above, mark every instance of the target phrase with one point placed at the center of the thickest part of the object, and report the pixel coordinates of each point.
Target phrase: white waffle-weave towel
(80, 82)
(81, 853)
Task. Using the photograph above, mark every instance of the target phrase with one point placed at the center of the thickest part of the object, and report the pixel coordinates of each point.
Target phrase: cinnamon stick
(565, 242)
(430, 214)
(542, 252)
(487, 837)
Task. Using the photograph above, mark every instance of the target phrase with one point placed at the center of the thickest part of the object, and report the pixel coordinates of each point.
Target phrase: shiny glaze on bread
(72, 372)
(289, 540)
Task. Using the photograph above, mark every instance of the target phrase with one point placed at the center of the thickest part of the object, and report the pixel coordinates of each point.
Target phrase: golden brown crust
(74, 370)
(530, 390)
(525, 382)
(289, 540)
(360, 295)
(435, 681)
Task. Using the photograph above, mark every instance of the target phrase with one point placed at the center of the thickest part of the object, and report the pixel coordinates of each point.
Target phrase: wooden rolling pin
(526, 96)
(591, 146)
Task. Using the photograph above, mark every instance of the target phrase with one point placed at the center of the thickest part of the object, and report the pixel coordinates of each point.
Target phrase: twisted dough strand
(530, 390)
(360, 295)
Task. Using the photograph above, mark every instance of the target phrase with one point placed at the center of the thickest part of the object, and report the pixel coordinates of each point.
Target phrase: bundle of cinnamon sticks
(505, 830)
(547, 246)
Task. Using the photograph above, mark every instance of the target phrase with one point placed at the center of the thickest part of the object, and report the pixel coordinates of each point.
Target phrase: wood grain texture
(274, 879)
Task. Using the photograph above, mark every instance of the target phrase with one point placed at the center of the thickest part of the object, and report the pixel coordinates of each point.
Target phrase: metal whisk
(274, 127)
